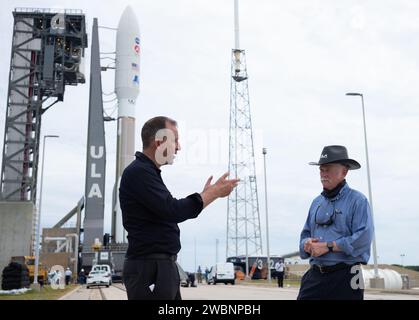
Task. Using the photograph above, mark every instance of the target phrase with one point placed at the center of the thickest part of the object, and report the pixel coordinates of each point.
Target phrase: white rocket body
(127, 88)
(127, 72)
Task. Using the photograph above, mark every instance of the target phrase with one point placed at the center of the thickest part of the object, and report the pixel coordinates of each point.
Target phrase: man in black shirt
(150, 214)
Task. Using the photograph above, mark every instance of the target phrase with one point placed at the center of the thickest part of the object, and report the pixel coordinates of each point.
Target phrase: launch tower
(243, 219)
(46, 55)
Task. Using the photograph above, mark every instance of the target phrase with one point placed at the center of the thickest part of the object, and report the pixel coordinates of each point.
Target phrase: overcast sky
(302, 56)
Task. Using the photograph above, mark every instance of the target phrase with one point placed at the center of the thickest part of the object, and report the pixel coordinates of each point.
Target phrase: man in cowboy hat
(337, 234)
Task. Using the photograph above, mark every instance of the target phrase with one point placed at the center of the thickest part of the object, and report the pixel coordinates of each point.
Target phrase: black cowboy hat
(336, 154)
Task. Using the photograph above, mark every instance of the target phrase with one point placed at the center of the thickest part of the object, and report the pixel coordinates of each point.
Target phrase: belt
(156, 256)
(336, 267)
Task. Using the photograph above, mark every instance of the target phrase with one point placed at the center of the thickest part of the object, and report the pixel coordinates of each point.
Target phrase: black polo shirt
(149, 212)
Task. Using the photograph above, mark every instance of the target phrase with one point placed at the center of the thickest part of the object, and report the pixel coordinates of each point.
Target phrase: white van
(222, 272)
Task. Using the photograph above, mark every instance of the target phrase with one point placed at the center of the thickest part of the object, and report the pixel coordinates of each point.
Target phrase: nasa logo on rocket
(137, 45)
(136, 80)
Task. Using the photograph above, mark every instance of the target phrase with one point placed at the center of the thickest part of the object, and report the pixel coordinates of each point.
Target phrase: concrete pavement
(222, 292)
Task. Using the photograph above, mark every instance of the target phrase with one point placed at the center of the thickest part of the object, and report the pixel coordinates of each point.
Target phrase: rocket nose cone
(128, 20)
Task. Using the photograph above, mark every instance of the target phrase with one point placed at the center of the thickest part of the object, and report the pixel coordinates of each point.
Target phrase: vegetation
(414, 268)
(46, 293)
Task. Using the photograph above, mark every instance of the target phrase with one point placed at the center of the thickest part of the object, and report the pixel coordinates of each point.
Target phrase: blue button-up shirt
(351, 227)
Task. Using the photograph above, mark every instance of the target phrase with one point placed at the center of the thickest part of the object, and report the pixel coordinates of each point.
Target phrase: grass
(47, 293)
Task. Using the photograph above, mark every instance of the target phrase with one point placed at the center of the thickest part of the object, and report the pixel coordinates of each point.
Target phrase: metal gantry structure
(243, 218)
(47, 50)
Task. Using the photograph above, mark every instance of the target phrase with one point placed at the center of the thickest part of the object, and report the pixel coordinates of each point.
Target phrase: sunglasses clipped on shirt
(329, 221)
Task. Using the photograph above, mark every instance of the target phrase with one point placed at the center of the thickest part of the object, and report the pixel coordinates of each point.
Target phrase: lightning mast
(243, 219)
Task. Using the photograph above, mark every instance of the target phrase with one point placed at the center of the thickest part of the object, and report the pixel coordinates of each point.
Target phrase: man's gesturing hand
(223, 186)
(220, 189)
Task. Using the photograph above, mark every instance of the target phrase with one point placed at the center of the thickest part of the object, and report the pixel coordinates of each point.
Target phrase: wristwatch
(330, 246)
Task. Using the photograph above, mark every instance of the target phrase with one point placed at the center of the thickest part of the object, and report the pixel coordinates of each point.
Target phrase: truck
(29, 261)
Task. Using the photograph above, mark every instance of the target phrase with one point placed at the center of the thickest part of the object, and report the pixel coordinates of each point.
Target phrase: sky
(302, 57)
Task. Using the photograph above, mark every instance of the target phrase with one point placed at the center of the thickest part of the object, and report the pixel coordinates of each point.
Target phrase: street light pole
(402, 256)
(264, 151)
(216, 251)
(38, 227)
(374, 245)
(194, 245)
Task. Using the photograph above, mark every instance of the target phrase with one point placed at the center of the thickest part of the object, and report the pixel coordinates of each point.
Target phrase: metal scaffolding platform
(47, 53)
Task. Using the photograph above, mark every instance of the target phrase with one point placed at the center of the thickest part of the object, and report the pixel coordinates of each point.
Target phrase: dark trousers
(335, 285)
(280, 276)
(67, 280)
(151, 279)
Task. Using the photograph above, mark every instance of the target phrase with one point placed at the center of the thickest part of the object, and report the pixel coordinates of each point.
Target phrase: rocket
(127, 88)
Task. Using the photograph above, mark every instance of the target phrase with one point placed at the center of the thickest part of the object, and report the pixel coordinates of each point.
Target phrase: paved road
(83, 294)
(115, 292)
(221, 292)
